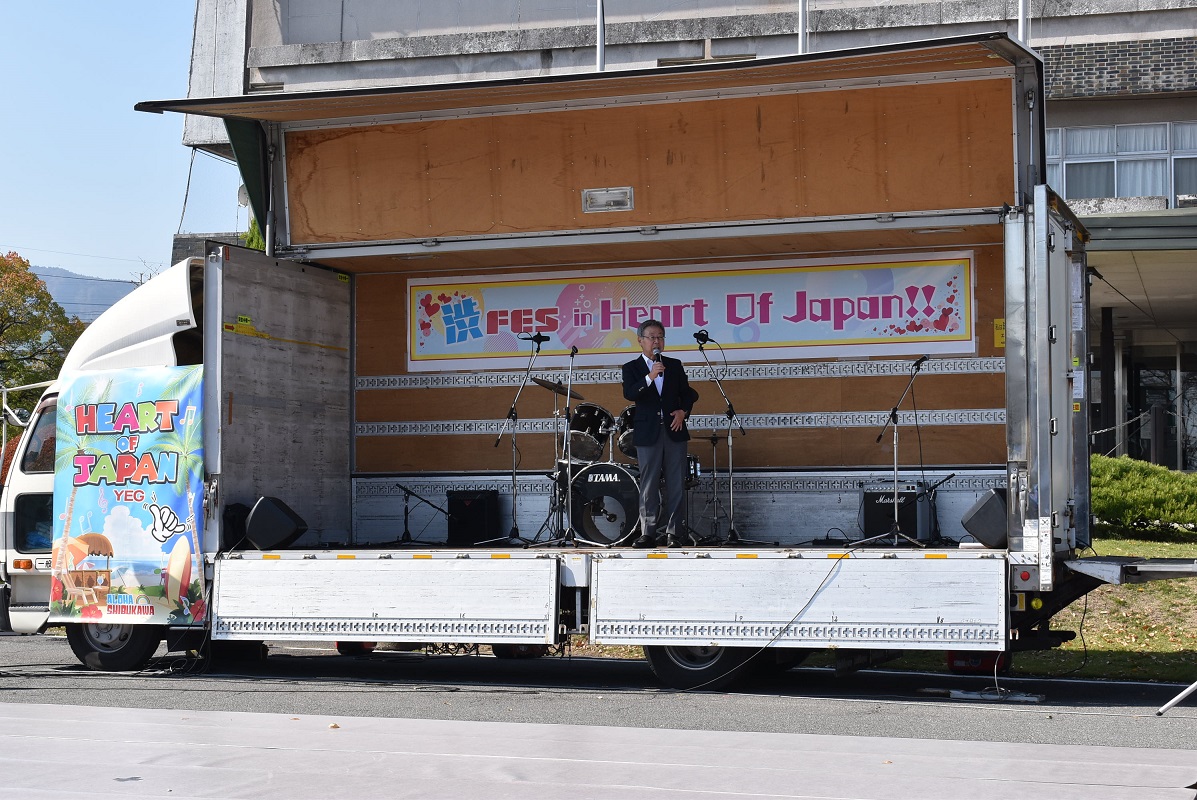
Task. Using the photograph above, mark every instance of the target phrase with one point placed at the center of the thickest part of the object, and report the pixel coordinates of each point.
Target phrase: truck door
(1042, 487)
(27, 506)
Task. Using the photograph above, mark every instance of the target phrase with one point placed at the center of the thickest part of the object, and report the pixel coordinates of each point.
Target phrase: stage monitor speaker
(986, 519)
(473, 517)
(877, 510)
(272, 525)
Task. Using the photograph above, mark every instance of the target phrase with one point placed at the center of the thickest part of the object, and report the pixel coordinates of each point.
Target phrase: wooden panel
(861, 151)
(381, 339)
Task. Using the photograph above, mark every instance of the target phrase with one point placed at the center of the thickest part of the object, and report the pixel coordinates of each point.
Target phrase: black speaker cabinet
(473, 516)
(877, 510)
(986, 519)
(272, 525)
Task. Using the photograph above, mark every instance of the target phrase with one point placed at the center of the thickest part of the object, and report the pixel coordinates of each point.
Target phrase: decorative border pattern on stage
(732, 372)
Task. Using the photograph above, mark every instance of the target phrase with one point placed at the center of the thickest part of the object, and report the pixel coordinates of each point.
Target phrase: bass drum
(606, 503)
(623, 432)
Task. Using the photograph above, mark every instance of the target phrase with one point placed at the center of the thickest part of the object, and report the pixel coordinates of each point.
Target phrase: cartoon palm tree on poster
(186, 440)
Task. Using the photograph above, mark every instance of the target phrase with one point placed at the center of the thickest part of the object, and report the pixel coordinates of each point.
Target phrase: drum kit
(599, 498)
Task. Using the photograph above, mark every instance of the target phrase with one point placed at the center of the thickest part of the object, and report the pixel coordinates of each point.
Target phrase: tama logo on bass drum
(603, 477)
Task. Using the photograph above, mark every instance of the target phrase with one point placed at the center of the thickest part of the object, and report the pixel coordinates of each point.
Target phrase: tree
(35, 332)
(253, 237)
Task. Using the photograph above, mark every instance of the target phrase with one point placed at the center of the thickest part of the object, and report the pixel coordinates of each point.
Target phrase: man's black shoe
(645, 541)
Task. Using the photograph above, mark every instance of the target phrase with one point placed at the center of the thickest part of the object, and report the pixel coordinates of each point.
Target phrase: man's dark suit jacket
(651, 407)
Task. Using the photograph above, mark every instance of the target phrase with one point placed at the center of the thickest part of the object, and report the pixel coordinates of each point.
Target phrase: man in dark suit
(664, 399)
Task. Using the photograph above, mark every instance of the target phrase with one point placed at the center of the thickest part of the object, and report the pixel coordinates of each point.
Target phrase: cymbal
(558, 388)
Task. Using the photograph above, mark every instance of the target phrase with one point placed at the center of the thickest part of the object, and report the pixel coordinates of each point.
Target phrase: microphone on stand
(573, 351)
(922, 360)
(536, 338)
(702, 337)
(540, 338)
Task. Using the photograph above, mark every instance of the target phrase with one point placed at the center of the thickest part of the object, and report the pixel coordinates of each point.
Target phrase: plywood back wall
(381, 351)
(825, 153)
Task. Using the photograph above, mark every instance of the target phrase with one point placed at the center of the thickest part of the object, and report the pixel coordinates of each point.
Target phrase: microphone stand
(892, 419)
(513, 537)
(733, 536)
(407, 495)
(569, 536)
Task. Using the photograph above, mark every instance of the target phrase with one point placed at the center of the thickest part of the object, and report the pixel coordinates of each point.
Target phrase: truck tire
(112, 647)
(708, 668)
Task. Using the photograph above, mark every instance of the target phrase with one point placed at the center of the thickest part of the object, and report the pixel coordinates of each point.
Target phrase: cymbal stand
(896, 530)
(569, 536)
(513, 537)
(408, 494)
(733, 536)
(553, 521)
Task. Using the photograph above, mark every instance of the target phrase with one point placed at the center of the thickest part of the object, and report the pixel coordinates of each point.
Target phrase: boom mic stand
(733, 536)
(569, 536)
(892, 419)
(514, 538)
(407, 495)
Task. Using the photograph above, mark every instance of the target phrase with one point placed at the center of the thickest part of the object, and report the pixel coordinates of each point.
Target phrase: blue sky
(87, 183)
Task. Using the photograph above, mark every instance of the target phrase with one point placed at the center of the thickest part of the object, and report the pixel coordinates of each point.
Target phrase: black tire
(519, 650)
(707, 668)
(109, 647)
(355, 648)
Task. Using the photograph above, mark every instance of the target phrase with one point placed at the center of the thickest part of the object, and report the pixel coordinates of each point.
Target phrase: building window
(1156, 159)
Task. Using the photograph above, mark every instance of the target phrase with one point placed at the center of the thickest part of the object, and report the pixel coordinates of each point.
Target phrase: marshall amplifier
(914, 511)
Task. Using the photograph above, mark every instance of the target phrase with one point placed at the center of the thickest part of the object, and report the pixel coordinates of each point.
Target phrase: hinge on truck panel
(1054, 427)
(1051, 242)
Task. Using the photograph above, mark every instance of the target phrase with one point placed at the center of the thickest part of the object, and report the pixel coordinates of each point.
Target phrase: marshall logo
(603, 477)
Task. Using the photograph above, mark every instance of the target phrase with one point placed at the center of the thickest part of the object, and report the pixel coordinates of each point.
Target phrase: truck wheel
(709, 668)
(112, 647)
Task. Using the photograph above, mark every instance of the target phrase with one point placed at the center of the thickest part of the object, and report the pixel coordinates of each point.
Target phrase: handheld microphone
(922, 360)
(702, 337)
(656, 354)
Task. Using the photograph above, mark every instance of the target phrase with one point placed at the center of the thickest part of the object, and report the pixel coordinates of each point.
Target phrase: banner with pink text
(768, 310)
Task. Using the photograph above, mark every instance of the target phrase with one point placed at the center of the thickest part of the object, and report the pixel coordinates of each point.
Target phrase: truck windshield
(39, 452)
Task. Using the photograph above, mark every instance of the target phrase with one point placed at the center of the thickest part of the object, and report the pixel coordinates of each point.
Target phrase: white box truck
(243, 447)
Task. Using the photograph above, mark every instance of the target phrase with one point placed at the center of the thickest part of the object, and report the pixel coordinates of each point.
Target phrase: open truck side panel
(357, 375)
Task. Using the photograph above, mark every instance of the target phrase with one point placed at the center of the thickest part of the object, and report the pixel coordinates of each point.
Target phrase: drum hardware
(896, 530)
(512, 421)
(733, 536)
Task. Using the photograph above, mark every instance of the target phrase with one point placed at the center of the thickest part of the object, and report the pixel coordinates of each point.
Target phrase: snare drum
(589, 427)
(606, 503)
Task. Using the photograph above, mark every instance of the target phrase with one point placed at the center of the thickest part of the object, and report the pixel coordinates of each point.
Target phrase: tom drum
(589, 427)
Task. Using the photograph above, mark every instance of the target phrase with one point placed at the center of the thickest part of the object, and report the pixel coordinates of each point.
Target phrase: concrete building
(1122, 116)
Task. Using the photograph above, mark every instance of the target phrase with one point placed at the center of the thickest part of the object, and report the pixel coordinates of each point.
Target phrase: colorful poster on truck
(128, 498)
(809, 308)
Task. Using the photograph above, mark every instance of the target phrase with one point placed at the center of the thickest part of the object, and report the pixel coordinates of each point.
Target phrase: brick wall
(1111, 69)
